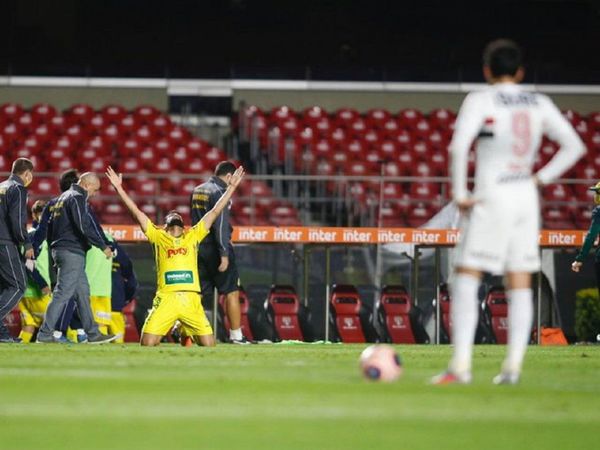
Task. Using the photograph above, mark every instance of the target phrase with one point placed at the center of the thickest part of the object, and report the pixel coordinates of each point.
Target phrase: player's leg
(160, 320)
(205, 340)
(150, 340)
(520, 319)
(194, 320)
(228, 283)
(27, 321)
(483, 246)
(84, 309)
(12, 279)
(68, 277)
(117, 326)
(523, 259)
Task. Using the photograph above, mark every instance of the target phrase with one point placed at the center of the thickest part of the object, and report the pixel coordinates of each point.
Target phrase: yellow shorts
(33, 310)
(169, 307)
(101, 308)
(117, 326)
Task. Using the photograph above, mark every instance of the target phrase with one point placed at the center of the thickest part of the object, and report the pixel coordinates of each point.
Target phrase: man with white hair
(70, 235)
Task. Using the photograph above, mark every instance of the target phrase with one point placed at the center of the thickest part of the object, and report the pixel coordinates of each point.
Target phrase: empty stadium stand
(407, 143)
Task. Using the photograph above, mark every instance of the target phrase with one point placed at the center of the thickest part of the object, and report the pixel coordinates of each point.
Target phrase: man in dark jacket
(13, 234)
(124, 285)
(70, 234)
(216, 258)
(590, 238)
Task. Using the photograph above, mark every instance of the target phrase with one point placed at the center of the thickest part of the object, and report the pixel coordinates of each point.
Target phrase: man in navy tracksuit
(216, 258)
(124, 285)
(70, 234)
(67, 178)
(13, 234)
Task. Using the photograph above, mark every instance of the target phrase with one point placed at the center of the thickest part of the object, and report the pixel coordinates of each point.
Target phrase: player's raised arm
(117, 181)
(234, 182)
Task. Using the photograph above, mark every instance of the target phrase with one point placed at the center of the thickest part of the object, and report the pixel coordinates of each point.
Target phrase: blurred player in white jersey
(500, 218)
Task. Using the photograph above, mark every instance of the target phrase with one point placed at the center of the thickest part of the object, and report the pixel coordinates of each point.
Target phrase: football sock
(103, 329)
(25, 336)
(236, 335)
(464, 315)
(520, 318)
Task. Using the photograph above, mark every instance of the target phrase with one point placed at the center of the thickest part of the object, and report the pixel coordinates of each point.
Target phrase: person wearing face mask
(175, 253)
(71, 233)
(591, 237)
(13, 235)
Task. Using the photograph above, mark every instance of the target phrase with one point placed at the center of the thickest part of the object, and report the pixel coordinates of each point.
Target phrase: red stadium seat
(282, 113)
(131, 332)
(583, 218)
(445, 301)
(345, 116)
(408, 118)
(197, 147)
(244, 308)
(13, 322)
(377, 117)
(145, 114)
(339, 138)
(441, 118)
(283, 311)
(144, 135)
(79, 114)
(196, 166)
(313, 114)
(358, 128)
(557, 218)
(44, 186)
(113, 114)
(420, 214)
(395, 312)
(10, 112)
(285, 215)
(128, 125)
(496, 309)
(161, 125)
(42, 113)
(345, 310)
(390, 216)
(356, 149)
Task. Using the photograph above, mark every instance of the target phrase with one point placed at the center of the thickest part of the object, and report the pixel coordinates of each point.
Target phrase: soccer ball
(380, 363)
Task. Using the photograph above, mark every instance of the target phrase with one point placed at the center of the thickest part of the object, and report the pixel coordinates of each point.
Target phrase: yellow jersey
(176, 258)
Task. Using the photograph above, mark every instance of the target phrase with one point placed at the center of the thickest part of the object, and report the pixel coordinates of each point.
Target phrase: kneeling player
(175, 252)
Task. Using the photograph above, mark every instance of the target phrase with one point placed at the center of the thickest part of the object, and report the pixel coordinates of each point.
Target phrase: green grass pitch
(289, 397)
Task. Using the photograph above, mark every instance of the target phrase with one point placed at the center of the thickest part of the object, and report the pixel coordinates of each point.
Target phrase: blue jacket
(71, 226)
(124, 282)
(203, 199)
(13, 212)
(41, 231)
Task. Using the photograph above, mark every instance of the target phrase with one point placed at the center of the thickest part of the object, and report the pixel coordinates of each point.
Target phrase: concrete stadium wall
(393, 101)
(63, 97)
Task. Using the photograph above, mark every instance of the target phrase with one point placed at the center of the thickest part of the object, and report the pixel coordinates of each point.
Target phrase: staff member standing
(591, 237)
(71, 234)
(13, 233)
(216, 258)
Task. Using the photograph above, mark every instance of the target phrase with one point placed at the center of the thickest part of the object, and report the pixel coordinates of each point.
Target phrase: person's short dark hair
(503, 57)
(67, 178)
(225, 167)
(21, 165)
(38, 206)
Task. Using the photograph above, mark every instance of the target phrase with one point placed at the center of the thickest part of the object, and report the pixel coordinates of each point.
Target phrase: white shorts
(501, 232)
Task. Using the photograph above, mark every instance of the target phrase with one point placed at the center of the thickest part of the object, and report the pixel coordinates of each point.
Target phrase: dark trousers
(12, 278)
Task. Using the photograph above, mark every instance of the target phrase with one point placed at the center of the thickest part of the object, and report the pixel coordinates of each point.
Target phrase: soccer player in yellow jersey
(175, 252)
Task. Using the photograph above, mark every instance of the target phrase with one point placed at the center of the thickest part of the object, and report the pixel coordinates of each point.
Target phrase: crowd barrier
(329, 237)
